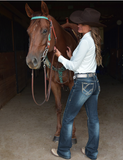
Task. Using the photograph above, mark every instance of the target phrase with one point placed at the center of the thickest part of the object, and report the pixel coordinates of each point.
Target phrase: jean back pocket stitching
(84, 88)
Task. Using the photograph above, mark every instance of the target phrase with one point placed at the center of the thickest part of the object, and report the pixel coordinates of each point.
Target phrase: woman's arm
(76, 59)
(58, 53)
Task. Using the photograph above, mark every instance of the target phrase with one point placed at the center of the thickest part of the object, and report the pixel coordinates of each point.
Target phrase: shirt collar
(87, 34)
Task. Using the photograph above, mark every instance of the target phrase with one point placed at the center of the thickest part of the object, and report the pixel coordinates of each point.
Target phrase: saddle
(72, 29)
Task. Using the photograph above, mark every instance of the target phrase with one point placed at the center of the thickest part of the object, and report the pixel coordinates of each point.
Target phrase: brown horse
(38, 32)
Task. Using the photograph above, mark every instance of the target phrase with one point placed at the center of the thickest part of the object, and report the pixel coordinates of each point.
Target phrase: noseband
(47, 93)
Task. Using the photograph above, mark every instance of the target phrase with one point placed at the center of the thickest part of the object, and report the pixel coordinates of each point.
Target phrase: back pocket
(87, 88)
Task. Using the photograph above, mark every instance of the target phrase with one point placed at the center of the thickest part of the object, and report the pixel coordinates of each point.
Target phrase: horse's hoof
(74, 140)
(55, 139)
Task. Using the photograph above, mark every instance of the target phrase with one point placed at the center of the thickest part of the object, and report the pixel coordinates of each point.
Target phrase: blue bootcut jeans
(84, 92)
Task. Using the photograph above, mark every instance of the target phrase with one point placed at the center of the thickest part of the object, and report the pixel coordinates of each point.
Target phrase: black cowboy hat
(89, 16)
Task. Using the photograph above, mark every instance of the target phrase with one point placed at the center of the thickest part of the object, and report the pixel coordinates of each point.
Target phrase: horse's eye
(45, 31)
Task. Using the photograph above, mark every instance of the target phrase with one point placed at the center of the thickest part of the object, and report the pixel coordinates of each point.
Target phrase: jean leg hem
(63, 156)
(90, 157)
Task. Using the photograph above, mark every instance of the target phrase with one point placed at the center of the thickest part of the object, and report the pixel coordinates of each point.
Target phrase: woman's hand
(57, 52)
(69, 53)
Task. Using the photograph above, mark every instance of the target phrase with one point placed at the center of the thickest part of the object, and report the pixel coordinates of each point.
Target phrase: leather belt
(83, 75)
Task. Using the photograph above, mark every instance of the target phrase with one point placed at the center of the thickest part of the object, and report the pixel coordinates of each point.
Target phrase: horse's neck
(60, 34)
(58, 29)
(64, 39)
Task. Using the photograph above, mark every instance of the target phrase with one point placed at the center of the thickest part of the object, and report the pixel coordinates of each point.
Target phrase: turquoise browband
(39, 17)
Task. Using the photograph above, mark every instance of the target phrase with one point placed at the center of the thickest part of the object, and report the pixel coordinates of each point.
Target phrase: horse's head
(39, 35)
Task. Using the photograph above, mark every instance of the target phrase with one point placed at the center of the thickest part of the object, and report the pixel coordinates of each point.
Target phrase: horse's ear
(29, 11)
(44, 9)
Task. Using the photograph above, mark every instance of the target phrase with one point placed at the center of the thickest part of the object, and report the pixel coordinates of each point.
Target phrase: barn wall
(7, 77)
(20, 47)
(114, 44)
(7, 61)
(13, 50)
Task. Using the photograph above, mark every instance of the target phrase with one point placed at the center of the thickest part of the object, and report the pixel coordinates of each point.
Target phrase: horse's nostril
(34, 61)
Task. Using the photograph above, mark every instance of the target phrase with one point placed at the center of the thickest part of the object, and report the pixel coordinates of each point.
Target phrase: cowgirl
(86, 86)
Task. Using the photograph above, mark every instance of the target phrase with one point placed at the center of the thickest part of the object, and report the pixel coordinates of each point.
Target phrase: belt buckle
(74, 77)
(82, 75)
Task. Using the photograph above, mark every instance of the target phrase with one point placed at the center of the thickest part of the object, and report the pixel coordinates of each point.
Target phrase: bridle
(49, 36)
(47, 93)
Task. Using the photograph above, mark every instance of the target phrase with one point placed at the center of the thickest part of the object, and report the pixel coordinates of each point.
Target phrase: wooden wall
(21, 72)
(21, 49)
(114, 43)
(115, 64)
(7, 77)
(13, 50)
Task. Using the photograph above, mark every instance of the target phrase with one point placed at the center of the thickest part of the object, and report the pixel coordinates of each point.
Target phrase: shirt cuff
(60, 58)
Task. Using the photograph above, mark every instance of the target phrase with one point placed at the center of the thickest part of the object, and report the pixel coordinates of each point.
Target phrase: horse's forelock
(38, 13)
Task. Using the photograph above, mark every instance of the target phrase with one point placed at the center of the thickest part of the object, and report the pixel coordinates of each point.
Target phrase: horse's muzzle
(33, 62)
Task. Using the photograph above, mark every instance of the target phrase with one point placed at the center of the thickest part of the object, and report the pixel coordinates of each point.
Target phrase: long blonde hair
(95, 33)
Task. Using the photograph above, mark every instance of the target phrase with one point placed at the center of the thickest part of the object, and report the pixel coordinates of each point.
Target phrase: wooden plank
(12, 11)
(5, 12)
(7, 90)
(7, 77)
(21, 69)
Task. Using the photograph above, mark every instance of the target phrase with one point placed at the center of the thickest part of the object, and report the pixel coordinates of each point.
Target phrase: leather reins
(47, 92)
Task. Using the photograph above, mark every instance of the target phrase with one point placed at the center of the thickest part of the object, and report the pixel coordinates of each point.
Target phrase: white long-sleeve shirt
(83, 58)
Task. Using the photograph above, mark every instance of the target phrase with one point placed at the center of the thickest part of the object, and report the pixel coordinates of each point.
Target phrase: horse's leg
(56, 89)
(74, 139)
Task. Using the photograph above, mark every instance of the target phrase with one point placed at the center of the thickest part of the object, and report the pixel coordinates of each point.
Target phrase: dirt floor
(27, 130)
